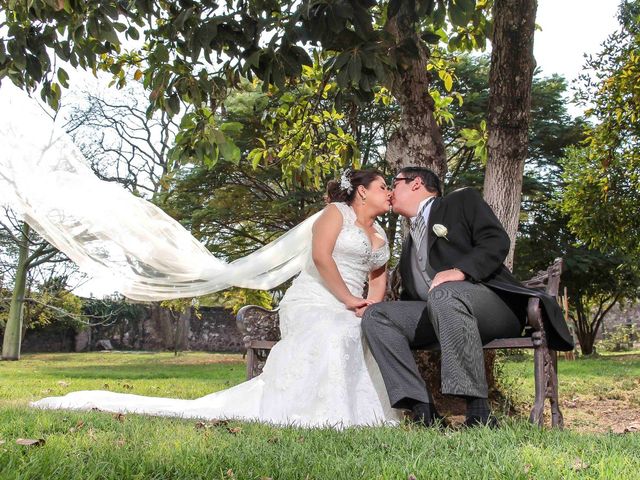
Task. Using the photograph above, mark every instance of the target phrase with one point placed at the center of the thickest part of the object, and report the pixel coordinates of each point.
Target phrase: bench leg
(556, 415)
(251, 360)
(537, 412)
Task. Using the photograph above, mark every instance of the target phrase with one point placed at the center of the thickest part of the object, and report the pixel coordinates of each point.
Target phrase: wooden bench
(259, 327)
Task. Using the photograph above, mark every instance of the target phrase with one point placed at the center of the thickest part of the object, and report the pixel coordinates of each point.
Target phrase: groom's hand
(451, 275)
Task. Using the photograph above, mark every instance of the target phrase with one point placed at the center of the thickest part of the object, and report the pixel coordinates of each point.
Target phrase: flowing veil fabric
(108, 231)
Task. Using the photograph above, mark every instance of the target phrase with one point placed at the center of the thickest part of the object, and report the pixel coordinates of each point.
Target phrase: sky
(569, 29)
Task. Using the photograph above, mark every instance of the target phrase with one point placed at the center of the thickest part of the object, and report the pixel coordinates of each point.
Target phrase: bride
(321, 372)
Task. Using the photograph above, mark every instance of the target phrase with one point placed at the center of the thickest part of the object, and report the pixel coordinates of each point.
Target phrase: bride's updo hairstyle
(344, 189)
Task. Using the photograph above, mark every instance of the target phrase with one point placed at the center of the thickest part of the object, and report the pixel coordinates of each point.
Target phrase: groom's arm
(489, 240)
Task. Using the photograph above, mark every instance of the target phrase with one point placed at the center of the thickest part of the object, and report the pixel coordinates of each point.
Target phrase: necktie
(419, 226)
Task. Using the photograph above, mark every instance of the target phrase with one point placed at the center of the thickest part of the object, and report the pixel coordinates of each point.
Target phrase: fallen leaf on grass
(211, 424)
(527, 467)
(120, 442)
(273, 440)
(106, 386)
(91, 434)
(30, 442)
(45, 391)
(2, 442)
(119, 416)
(127, 386)
(300, 439)
(632, 427)
(230, 474)
(411, 477)
(234, 430)
(62, 383)
(579, 464)
(266, 478)
(78, 426)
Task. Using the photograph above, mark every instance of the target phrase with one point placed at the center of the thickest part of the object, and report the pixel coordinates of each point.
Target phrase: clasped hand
(357, 304)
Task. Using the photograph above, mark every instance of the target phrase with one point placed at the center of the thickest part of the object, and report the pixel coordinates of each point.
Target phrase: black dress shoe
(481, 421)
(426, 415)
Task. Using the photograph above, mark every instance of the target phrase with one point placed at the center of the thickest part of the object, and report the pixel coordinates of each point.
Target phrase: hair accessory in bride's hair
(345, 181)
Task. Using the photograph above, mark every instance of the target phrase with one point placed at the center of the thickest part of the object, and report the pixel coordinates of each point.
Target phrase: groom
(455, 291)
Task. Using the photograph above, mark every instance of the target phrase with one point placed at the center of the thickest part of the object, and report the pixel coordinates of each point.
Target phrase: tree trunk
(13, 329)
(584, 331)
(510, 79)
(417, 140)
(181, 332)
(587, 341)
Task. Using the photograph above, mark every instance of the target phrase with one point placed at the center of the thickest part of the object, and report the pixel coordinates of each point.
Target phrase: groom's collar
(421, 206)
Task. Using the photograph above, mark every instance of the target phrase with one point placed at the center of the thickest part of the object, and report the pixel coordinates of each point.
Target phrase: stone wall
(213, 329)
(51, 339)
(629, 315)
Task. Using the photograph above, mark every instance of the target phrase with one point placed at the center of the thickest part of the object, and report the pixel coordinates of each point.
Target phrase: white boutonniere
(440, 231)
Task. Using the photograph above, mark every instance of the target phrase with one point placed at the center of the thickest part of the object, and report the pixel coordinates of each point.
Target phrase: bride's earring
(363, 199)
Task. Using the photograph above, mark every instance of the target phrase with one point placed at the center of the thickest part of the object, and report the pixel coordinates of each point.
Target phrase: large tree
(510, 79)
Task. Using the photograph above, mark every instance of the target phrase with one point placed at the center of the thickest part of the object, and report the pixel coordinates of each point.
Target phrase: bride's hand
(354, 303)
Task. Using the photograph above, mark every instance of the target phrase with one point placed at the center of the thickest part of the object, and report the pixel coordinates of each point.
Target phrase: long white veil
(108, 231)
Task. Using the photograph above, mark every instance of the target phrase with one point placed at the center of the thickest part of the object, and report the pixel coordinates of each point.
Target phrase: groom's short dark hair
(429, 179)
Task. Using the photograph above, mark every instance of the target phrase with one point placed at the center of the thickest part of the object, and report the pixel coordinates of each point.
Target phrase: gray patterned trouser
(462, 316)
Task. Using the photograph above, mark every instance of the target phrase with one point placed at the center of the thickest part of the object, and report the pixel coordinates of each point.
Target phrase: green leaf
(447, 79)
(34, 67)
(182, 18)
(355, 68)
(63, 78)
(173, 105)
(232, 127)
(108, 33)
(431, 38)
(161, 54)
(133, 33)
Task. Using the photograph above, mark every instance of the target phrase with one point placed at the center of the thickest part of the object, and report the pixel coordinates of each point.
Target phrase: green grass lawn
(94, 445)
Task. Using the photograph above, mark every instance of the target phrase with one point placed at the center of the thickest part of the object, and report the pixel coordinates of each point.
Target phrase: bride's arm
(377, 288)
(325, 232)
(377, 284)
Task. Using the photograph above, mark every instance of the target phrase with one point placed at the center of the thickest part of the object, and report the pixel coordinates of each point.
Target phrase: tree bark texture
(12, 340)
(417, 140)
(510, 78)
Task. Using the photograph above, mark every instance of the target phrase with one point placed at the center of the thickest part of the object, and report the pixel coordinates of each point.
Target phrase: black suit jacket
(477, 244)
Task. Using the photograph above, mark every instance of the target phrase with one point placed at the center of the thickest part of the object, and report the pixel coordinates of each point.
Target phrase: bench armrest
(258, 323)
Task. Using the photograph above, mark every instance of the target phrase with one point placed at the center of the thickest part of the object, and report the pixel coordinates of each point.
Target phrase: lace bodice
(353, 251)
(354, 256)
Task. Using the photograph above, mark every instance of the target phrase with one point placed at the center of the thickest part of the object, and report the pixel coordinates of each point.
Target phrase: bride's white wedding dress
(320, 374)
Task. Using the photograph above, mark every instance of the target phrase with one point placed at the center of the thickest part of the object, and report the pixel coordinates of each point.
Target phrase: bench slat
(525, 342)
